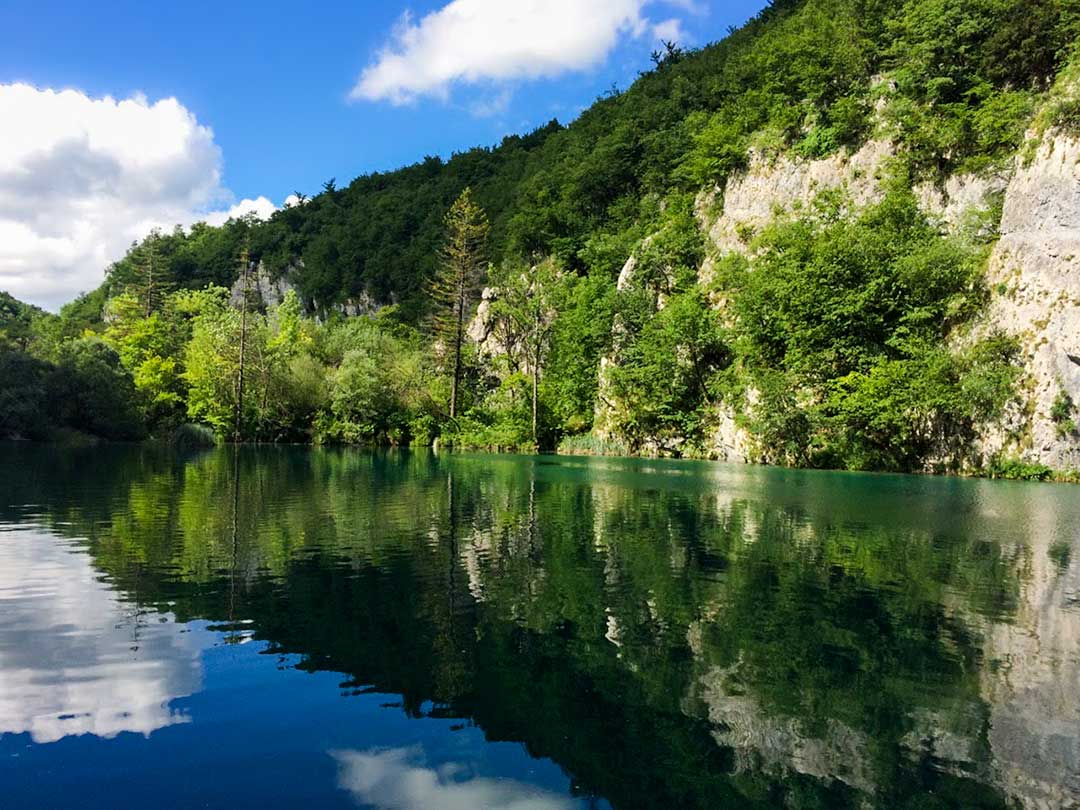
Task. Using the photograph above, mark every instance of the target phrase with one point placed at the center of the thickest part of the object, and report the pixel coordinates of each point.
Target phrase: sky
(121, 116)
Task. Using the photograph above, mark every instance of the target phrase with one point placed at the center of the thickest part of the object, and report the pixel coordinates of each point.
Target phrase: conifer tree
(152, 280)
(457, 281)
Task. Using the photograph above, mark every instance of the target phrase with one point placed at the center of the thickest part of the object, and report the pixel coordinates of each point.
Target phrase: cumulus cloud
(82, 177)
(398, 779)
(261, 207)
(493, 40)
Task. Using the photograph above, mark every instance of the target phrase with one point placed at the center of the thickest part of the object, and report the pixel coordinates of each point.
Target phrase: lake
(293, 627)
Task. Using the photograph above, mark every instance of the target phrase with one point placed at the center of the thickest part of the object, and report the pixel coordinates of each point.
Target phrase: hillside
(804, 76)
(845, 225)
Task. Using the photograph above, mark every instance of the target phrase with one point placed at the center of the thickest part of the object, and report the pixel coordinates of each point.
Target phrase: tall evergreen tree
(152, 280)
(455, 286)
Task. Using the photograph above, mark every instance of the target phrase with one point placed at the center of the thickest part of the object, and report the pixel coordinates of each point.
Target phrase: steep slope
(1035, 272)
(825, 240)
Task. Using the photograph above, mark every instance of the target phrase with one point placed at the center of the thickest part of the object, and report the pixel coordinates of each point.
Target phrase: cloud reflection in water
(400, 779)
(76, 659)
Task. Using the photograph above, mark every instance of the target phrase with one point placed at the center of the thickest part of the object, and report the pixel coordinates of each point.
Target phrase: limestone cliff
(1033, 272)
(268, 290)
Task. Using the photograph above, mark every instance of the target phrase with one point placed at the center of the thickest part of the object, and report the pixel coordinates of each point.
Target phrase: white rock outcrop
(1035, 270)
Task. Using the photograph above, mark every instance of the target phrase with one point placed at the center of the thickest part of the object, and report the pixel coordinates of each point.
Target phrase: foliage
(666, 363)
(23, 412)
(589, 444)
(840, 323)
(841, 341)
(192, 437)
(1012, 469)
(1063, 414)
(527, 307)
(91, 391)
(456, 284)
(380, 389)
(20, 324)
(580, 336)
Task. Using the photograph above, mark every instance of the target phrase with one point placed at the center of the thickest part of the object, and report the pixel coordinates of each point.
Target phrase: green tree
(152, 348)
(454, 288)
(23, 403)
(528, 303)
(90, 390)
(151, 277)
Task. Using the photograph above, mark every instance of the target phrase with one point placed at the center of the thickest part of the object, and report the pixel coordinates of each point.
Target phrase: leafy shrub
(589, 444)
(1011, 469)
(1062, 414)
(192, 437)
(840, 328)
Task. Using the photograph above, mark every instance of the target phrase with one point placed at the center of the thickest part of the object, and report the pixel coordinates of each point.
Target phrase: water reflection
(669, 634)
(74, 658)
(400, 779)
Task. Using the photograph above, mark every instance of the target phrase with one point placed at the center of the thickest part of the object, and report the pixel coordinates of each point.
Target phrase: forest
(833, 337)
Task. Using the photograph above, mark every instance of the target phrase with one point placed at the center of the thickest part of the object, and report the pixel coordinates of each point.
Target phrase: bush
(589, 444)
(1062, 413)
(1011, 469)
(841, 323)
(192, 437)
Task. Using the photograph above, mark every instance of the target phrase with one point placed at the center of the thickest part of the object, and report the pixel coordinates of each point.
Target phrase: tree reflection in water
(671, 634)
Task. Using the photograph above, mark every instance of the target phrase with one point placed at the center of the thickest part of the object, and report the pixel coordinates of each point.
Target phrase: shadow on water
(669, 634)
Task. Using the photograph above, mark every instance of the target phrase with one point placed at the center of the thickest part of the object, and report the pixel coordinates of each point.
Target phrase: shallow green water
(275, 627)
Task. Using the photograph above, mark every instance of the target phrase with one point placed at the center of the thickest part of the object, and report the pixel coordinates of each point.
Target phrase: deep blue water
(293, 627)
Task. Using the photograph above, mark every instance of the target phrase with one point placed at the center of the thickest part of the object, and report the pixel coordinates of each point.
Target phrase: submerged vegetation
(839, 338)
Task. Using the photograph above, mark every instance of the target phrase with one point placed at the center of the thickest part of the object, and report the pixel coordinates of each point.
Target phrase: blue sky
(277, 84)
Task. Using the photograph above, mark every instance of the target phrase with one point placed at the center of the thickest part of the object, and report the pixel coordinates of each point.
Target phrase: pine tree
(152, 280)
(455, 286)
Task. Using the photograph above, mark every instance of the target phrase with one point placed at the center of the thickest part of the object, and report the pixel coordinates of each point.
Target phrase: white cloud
(66, 654)
(398, 779)
(261, 207)
(82, 177)
(670, 31)
(476, 41)
(489, 108)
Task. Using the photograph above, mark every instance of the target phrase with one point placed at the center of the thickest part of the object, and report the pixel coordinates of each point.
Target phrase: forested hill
(841, 237)
(955, 78)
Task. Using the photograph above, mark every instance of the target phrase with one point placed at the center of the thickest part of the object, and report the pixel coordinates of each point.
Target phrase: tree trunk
(536, 382)
(243, 351)
(150, 286)
(457, 350)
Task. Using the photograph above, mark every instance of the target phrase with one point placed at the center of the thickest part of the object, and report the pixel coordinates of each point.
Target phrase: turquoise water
(277, 627)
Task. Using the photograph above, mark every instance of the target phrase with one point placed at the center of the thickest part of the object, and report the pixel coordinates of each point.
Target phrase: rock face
(266, 292)
(1035, 270)
(752, 199)
(483, 329)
